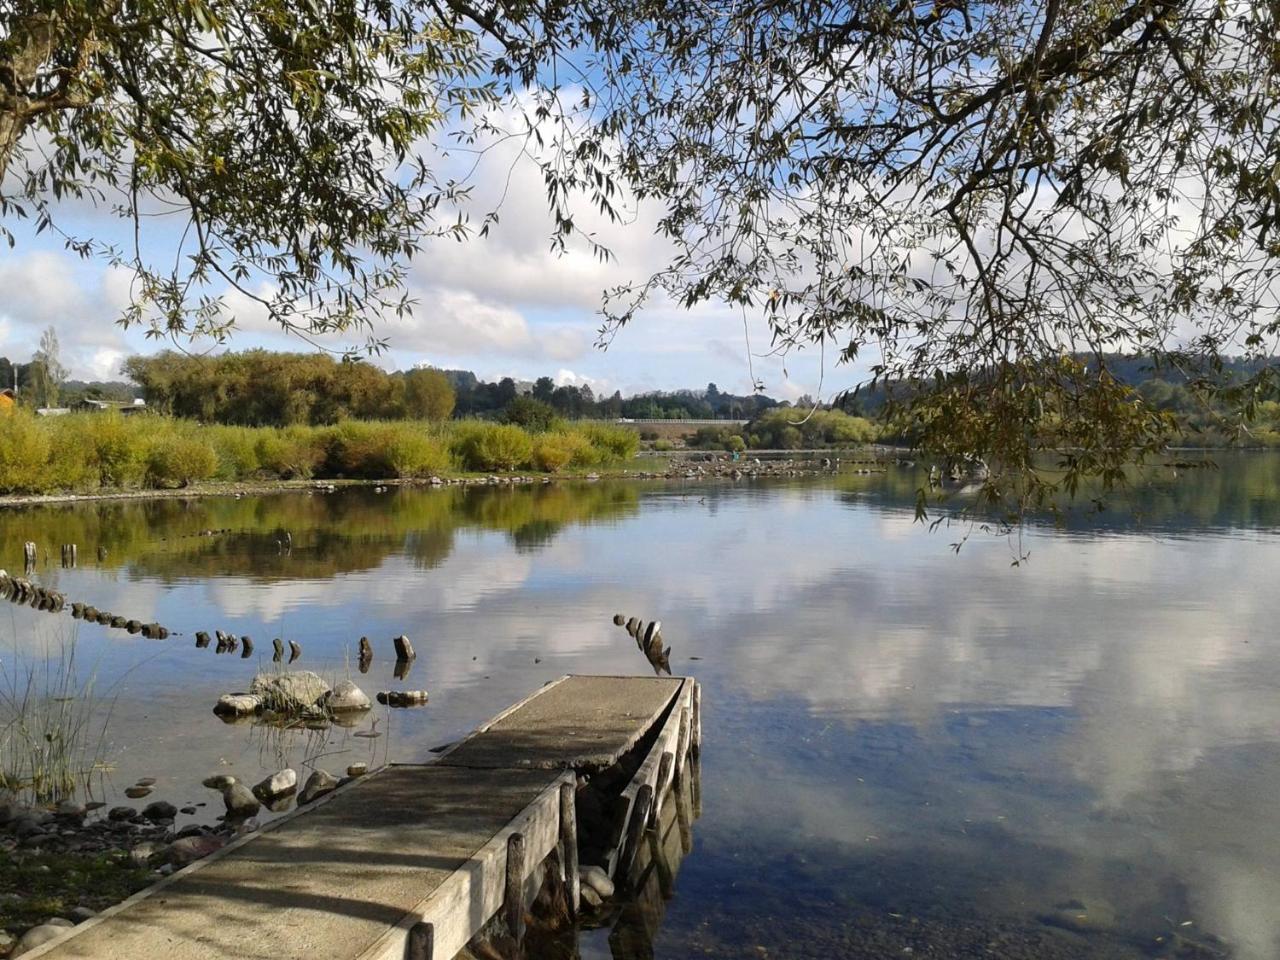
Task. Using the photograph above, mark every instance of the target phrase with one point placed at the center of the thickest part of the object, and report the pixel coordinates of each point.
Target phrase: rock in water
(595, 878)
(366, 649)
(160, 810)
(318, 784)
(295, 650)
(237, 705)
(202, 639)
(240, 800)
(346, 696)
(289, 692)
(219, 781)
(246, 645)
(619, 619)
(279, 785)
(404, 649)
(357, 770)
(137, 792)
(278, 645)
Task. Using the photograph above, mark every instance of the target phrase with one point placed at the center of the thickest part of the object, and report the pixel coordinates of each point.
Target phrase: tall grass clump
(491, 446)
(114, 446)
(24, 454)
(612, 444)
(383, 450)
(293, 453)
(237, 450)
(178, 458)
(52, 728)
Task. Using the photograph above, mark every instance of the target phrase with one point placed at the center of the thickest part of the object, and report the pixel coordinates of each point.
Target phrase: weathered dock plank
(582, 722)
(330, 882)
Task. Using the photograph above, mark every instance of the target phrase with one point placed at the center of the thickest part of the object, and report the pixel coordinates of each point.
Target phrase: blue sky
(503, 305)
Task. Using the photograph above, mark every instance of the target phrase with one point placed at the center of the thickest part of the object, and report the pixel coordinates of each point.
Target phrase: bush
(115, 446)
(492, 446)
(178, 459)
(735, 443)
(534, 415)
(662, 446)
(411, 453)
(237, 451)
(291, 453)
(24, 454)
(611, 443)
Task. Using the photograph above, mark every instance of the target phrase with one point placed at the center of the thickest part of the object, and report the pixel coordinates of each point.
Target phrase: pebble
(137, 792)
(160, 810)
(219, 781)
(81, 914)
(239, 800)
(121, 813)
(357, 770)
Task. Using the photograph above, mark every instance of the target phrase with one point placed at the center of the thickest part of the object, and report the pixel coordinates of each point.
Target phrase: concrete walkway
(348, 876)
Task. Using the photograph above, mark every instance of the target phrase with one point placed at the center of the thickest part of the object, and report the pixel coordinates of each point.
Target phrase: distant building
(8, 400)
(103, 406)
(52, 411)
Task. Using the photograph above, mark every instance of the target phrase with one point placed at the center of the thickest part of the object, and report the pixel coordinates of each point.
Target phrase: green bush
(411, 453)
(24, 454)
(612, 443)
(532, 414)
(178, 459)
(491, 446)
(237, 451)
(114, 446)
(292, 453)
(555, 451)
(735, 444)
(662, 446)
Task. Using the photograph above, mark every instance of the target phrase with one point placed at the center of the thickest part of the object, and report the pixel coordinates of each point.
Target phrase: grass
(84, 453)
(36, 887)
(52, 739)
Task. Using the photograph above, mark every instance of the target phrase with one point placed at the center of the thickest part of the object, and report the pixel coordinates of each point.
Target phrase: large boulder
(346, 696)
(239, 800)
(318, 784)
(39, 936)
(289, 692)
(283, 783)
(237, 705)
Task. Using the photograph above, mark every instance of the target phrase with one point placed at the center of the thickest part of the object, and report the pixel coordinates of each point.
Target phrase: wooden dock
(414, 860)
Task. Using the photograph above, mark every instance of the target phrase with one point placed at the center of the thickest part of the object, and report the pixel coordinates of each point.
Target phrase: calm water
(907, 751)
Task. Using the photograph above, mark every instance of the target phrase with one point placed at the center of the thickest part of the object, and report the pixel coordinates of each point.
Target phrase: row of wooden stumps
(421, 944)
(69, 551)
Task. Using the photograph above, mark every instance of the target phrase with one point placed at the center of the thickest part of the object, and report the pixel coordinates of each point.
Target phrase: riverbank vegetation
(108, 451)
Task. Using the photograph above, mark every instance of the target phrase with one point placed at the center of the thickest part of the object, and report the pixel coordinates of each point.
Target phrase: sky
(501, 305)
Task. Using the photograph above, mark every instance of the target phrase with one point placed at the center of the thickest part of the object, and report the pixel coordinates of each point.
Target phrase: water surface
(908, 751)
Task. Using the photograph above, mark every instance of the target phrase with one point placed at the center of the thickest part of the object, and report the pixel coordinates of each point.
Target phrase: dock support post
(422, 941)
(29, 556)
(569, 844)
(635, 831)
(695, 733)
(665, 767)
(514, 899)
(682, 741)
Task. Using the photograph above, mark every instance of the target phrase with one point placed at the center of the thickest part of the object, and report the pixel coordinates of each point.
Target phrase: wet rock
(246, 648)
(39, 936)
(346, 696)
(278, 646)
(218, 781)
(631, 626)
(71, 810)
(142, 854)
(133, 626)
(137, 792)
(202, 639)
(404, 649)
(318, 784)
(281, 784)
(590, 898)
(118, 622)
(146, 781)
(596, 878)
(402, 698)
(187, 850)
(619, 619)
(81, 914)
(289, 692)
(188, 810)
(357, 769)
(237, 705)
(295, 650)
(239, 800)
(160, 810)
(119, 814)
(366, 649)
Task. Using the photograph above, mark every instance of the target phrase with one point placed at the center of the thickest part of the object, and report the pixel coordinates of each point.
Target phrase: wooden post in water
(665, 766)
(29, 556)
(514, 898)
(695, 731)
(569, 845)
(422, 941)
(635, 831)
(682, 741)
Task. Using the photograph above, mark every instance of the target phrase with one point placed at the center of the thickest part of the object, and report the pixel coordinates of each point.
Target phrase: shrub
(411, 453)
(492, 446)
(553, 452)
(24, 453)
(735, 443)
(532, 414)
(237, 451)
(662, 446)
(180, 459)
(611, 443)
(114, 446)
(291, 453)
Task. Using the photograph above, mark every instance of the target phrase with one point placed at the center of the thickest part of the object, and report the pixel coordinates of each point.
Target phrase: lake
(908, 751)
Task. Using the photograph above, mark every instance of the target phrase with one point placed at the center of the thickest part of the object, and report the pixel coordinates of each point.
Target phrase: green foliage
(663, 446)
(553, 452)
(530, 413)
(611, 443)
(428, 395)
(383, 450)
(237, 451)
(114, 446)
(179, 458)
(491, 446)
(24, 451)
(790, 429)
